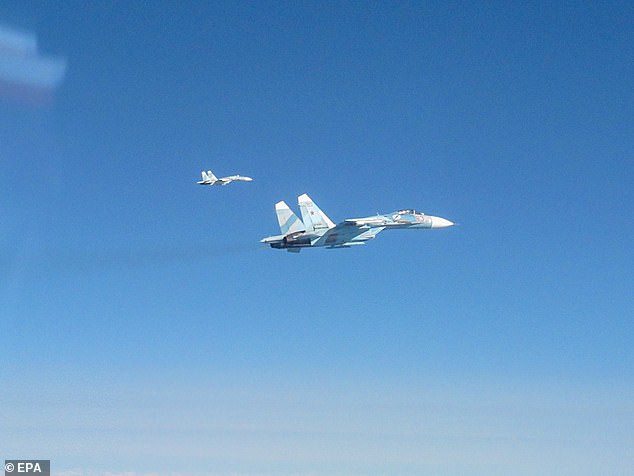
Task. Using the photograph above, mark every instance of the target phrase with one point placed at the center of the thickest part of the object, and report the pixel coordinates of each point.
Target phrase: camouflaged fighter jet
(316, 229)
(210, 179)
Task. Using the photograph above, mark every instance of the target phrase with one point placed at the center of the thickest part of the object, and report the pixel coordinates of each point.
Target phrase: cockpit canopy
(409, 211)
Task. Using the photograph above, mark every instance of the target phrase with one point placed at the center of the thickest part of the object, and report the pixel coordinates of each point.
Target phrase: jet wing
(345, 234)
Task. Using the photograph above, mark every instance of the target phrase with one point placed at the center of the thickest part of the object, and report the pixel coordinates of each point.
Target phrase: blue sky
(146, 331)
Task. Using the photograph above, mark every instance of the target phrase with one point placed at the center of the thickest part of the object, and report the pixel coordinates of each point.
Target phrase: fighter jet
(316, 229)
(210, 179)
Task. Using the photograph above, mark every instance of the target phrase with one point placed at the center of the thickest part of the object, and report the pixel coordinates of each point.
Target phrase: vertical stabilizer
(314, 218)
(289, 223)
(211, 176)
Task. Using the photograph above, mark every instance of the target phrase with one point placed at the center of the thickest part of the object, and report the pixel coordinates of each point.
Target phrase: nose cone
(437, 222)
(248, 179)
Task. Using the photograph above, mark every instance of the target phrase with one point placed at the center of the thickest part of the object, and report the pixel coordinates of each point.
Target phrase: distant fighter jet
(210, 179)
(317, 229)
